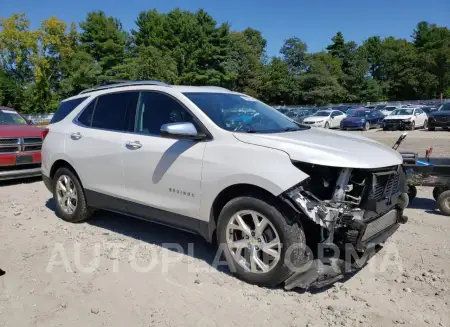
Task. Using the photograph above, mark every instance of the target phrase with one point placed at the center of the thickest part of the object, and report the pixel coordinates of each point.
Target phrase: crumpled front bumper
(318, 273)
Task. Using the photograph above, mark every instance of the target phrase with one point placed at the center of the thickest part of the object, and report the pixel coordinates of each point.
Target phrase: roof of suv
(130, 87)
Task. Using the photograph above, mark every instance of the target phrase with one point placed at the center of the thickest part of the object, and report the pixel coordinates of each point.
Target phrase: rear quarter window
(65, 108)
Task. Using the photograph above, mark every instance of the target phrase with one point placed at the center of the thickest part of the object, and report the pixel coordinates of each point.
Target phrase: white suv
(230, 168)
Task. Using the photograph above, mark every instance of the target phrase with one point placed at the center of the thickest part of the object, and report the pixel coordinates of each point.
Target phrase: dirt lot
(94, 273)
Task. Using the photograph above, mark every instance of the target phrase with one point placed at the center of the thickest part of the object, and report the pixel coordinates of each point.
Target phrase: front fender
(267, 168)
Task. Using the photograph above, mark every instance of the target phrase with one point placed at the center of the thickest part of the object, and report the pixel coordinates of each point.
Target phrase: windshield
(400, 112)
(389, 108)
(360, 113)
(380, 106)
(239, 113)
(322, 113)
(9, 117)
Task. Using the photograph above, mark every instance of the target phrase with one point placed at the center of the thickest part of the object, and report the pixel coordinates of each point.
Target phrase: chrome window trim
(209, 136)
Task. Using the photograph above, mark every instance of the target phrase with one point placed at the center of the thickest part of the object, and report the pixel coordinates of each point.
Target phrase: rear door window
(65, 108)
(115, 112)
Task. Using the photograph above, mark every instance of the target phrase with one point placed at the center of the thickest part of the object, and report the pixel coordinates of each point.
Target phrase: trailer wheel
(443, 202)
(412, 192)
(438, 190)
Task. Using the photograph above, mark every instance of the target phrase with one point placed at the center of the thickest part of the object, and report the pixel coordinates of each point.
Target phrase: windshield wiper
(291, 129)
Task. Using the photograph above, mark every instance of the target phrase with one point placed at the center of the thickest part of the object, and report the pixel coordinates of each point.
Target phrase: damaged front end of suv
(352, 209)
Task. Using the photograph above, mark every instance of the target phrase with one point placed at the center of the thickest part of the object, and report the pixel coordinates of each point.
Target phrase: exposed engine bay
(351, 205)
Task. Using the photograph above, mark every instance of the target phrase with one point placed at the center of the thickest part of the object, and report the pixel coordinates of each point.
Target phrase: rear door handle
(75, 136)
(133, 145)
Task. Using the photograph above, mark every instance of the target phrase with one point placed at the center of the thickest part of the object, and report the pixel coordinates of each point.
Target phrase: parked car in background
(325, 119)
(351, 111)
(298, 115)
(440, 118)
(429, 109)
(283, 110)
(362, 119)
(406, 118)
(342, 108)
(388, 109)
(380, 106)
(20, 146)
(262, 192)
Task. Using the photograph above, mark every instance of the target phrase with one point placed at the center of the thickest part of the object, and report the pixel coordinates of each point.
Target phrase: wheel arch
(244, 189)
(63, 163)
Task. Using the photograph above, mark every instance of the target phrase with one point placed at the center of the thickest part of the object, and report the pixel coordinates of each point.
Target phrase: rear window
(66, 108)
(115, 111)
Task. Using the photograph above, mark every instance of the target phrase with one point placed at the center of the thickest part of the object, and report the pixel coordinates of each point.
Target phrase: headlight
(362, 120)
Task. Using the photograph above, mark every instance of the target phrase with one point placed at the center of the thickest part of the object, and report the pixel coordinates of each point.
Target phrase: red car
(20, 146)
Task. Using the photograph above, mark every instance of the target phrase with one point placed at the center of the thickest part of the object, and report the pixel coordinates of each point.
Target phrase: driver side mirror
(181, 130)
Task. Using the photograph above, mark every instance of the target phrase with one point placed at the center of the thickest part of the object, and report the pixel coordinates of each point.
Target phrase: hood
(354, 119)
(20, 131)
(399, 117)
(445, 113)
(315, 118)
(328, 148)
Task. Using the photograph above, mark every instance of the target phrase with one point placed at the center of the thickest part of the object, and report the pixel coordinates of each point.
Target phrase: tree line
(40, 67)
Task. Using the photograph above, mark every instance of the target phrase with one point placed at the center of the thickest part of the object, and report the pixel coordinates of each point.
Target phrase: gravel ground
(95, 274)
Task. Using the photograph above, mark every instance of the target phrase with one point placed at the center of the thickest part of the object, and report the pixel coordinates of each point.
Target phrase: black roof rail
(123, 84)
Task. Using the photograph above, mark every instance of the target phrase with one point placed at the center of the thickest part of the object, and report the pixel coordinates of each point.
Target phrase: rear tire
(443, 203)
(290, 236)
(66, 207)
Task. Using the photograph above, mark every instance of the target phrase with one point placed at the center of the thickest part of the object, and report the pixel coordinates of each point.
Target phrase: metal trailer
(431, 172)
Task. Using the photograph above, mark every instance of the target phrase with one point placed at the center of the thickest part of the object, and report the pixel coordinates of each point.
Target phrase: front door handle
(75, 136)
(133, 145)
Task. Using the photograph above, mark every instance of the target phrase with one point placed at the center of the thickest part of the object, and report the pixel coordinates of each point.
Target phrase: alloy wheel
(66, 194)
(253, 241)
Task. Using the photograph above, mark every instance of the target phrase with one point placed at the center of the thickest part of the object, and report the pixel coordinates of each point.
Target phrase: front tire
(258, 242)
(68, 194)
(425, 124)
(412, 126)
(327, 126)
(431, 129)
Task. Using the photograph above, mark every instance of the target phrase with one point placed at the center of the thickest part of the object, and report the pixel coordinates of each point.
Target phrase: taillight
(44, 133)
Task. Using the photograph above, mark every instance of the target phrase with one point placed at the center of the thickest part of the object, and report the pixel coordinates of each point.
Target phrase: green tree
(294, 53)
(276, 84)
(433, 46)
(355, 66)
(320, 82)
(245, 63)
(104, 39)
